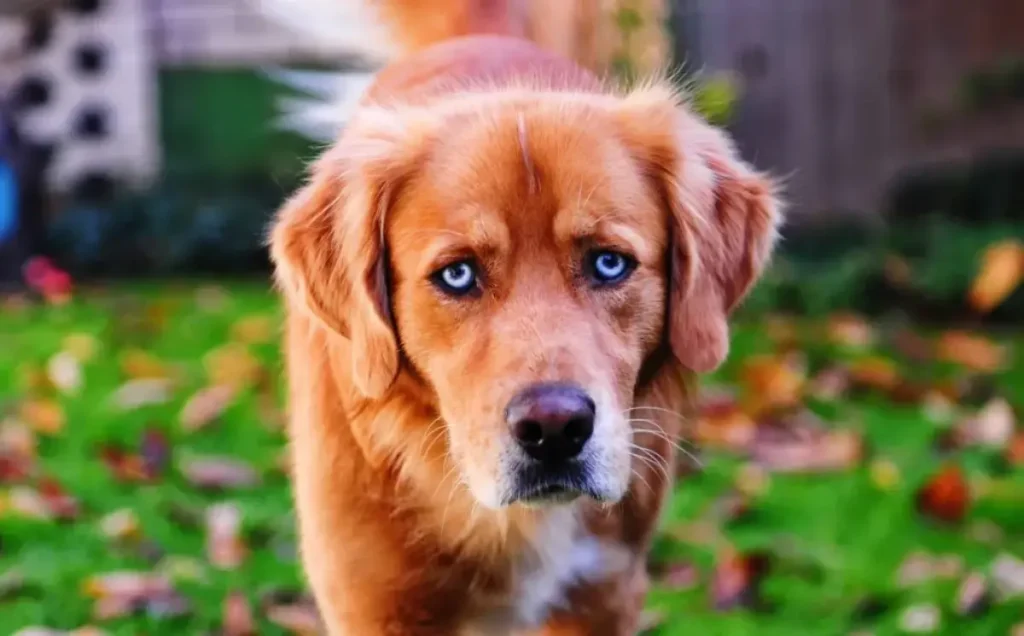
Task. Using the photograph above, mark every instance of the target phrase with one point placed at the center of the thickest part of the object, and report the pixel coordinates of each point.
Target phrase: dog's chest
(561, 557)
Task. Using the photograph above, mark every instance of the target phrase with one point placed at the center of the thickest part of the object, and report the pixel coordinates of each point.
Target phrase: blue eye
(456, 279)
(607, 267)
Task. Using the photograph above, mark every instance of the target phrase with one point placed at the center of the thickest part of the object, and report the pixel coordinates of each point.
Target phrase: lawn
(849, 477)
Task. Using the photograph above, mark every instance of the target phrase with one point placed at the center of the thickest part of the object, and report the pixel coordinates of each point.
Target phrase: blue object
(8, 202)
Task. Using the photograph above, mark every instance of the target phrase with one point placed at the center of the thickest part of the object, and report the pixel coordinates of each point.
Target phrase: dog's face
(524, 259)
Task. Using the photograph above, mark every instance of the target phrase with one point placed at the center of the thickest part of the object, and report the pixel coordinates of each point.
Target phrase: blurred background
(857, 467)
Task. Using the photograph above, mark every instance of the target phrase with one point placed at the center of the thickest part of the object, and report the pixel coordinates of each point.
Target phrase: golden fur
(492, 148)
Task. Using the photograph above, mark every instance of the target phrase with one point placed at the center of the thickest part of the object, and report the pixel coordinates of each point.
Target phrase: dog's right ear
(328, 246)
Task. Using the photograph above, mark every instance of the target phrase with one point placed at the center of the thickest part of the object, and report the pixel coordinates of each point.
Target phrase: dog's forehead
(504, 177)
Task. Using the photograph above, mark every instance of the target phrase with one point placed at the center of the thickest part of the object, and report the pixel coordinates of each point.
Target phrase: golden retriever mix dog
(500, 280)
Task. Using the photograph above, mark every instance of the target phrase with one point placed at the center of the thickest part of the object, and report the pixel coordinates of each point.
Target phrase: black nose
(551, 421)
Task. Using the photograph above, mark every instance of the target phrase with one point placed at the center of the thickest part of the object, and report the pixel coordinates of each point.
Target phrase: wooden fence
(841, 96)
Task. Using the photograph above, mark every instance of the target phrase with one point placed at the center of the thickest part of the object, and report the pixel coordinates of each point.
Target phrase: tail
(383, 30)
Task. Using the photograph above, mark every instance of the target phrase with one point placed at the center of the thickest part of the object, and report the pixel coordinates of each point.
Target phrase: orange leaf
(771, 383)
(1002, 269)
(850, 330)
(946, 496)
(876, 373)
(1015, 450)
(237, 619)
(206, 406)
(972, 351)
(44, 416)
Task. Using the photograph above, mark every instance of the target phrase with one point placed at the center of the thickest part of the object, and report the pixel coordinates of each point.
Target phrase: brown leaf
(724, 424)
(920, 568)
(1001, 271)
(771, 383)
(849, 330)
(875, 372)
(679, 576)
(300, 618)
(216, 472)
(224, 545)
(232, 365)
(60, 504)
(946, 496)
(122, 593)
(737, 579)
(815, 451)
(206, 406)
(973, 598)
(991, 427)
(237, 616)
(972, 351)
(155, 452)
(120, 525)
(1015, 450)
(44, 416)
(123, 466)
(140, 365)
(253, 330)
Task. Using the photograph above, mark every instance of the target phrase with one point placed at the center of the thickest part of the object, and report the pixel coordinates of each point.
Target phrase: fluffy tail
(382, 30)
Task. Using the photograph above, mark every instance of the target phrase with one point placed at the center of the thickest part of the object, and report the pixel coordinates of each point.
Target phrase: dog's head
(523, 258)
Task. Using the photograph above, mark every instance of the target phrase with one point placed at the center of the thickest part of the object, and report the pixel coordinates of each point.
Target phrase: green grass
(836, 539)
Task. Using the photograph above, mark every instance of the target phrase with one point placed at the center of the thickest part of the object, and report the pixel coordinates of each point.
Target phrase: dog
(501, 280)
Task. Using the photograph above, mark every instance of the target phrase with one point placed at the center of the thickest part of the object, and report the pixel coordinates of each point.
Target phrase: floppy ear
(724, 219)
(328, 247)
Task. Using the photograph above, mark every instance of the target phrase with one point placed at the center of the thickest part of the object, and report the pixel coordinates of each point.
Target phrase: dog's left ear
(724, 219)
(328, 246)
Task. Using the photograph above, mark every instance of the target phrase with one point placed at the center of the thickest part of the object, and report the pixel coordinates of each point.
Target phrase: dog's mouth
(539, 485)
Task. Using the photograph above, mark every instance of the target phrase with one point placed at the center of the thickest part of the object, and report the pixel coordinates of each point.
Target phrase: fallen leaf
(1008, 576)
(143, 392)
(875, 372)
(921, 619)
(922, 567)
(830, 384)
(82, 346)
(212, 299)
(232, 365)
(26, 502)
(155, 452)
(301, 618)
(679, 576)
(61, 505)
(181, 568)
(972, 598)
(206, 406)
(65, 373)
(991, 427)
(946, 496)
(820, 452)
(124, 466)
(224, 545)
(771, 383)
(44, 416)
(1015, 450)
(217, 472)
(120, 525)
(724, 424)
(237, 619)
(737, 579)
(752, 480)
(1001, 271)
(141, 365)
(849, 330)
(884, 474)
(897, 271)
(972, 351)
(253, 330)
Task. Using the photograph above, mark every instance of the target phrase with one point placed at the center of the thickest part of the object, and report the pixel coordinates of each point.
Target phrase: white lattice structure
(100, 114)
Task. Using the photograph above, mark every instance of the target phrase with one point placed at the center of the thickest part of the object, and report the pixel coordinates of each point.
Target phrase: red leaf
(946, 496)
(238, 620)
(737, 580)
